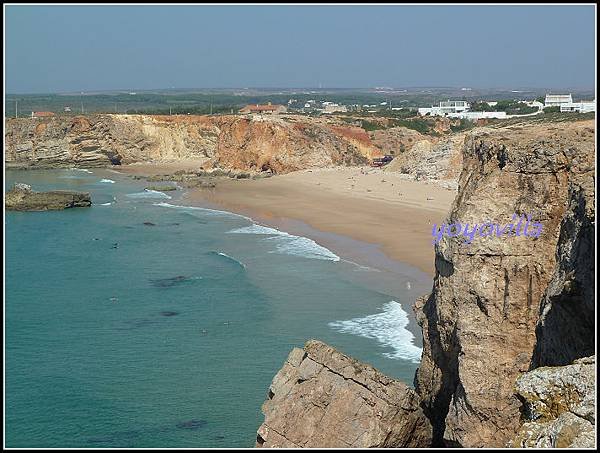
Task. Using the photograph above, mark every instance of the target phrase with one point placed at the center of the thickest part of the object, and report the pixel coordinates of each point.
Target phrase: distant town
(470, 110)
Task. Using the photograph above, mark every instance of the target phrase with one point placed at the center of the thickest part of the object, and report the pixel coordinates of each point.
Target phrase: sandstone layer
(251, 143)
(323, 398)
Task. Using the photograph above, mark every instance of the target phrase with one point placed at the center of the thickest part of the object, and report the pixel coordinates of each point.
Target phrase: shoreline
(393, 214)
(308, 203)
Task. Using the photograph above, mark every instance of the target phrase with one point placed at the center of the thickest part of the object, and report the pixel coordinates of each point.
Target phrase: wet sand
(362, 203)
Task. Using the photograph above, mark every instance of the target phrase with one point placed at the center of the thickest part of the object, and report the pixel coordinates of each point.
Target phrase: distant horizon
(315, 89)
(101, 48)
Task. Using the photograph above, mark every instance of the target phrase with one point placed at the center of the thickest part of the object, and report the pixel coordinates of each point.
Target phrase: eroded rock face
(323, 398)
(428, 159)
(558, 406)
(232, 142)
(479, 322)
(22, 198)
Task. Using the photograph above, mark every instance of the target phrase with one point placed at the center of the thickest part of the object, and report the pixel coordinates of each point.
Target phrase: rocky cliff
(502, 304)
(489, 310)
(234, 142)
(323, 398)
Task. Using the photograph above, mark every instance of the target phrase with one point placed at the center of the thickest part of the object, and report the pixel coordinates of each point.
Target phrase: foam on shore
(388, 328)
(206, 211)
(149, 194)
(289, 244)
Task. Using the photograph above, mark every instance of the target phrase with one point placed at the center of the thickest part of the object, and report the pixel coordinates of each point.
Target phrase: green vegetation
(463, 125)
(371, 126)
(418, 124)
(554, 109)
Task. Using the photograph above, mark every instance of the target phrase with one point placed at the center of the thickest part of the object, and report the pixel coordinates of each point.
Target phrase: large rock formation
(501, 306)
(479, 322)
(323, 398)
(22, 198)
(234, 142)
(558, 406)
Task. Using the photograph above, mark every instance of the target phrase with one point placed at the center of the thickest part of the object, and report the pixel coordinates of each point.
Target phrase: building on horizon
(444, 108)
(580, 107)
(555, 100)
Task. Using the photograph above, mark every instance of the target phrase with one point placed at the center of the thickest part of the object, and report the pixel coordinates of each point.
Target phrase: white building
(472, 116)
(553, 100)
(445, 108)
(581, 107)
(332, 108)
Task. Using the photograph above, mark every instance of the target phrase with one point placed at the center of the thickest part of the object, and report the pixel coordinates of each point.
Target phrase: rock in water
(22, 198)
(323, 398)
(558, 406)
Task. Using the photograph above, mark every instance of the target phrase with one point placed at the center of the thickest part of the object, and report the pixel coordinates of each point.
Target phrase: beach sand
(362, 203)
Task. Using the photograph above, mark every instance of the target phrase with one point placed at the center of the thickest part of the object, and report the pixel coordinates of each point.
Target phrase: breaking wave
(149, 194)
(207, 211)
(289, 244)
(388, 328)
(229, 258)
(109, 181)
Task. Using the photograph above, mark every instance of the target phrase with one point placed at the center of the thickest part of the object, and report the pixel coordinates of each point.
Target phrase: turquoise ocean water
(140, 322)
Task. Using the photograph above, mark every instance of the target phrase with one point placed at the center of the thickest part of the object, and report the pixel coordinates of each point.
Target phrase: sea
(144, 322)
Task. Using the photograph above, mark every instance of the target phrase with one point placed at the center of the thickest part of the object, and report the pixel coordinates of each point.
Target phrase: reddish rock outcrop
(231, 142)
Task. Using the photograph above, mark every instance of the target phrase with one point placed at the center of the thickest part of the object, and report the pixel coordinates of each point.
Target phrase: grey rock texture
(558, 406)
(479, 323)
(323, 398)
(434, 160)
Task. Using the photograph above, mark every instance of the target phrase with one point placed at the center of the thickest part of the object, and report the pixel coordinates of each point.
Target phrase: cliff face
(322, 398)
(241, 143)
(491, 296)
(437, 160)
(503, 308)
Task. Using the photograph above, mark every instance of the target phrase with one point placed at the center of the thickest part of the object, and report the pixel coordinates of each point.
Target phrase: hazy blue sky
(64, 48)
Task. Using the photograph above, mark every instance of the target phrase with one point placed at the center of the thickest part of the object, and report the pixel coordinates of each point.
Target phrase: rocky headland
(255, 144)
(508, 327)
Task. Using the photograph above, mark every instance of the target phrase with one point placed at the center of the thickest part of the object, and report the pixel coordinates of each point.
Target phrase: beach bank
(375, 207)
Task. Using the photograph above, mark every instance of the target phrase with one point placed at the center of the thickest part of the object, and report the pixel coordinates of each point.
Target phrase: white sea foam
(147, 193)
(290, 244)
(105, 204)
(257, 229)
(225, 255)
(109, 181)
(388, 328)
(206, 211)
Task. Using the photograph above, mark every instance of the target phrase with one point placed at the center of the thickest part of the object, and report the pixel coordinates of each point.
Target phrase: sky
(87, 48)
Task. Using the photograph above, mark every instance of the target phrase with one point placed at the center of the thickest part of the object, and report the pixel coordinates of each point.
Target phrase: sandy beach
(362, 203)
